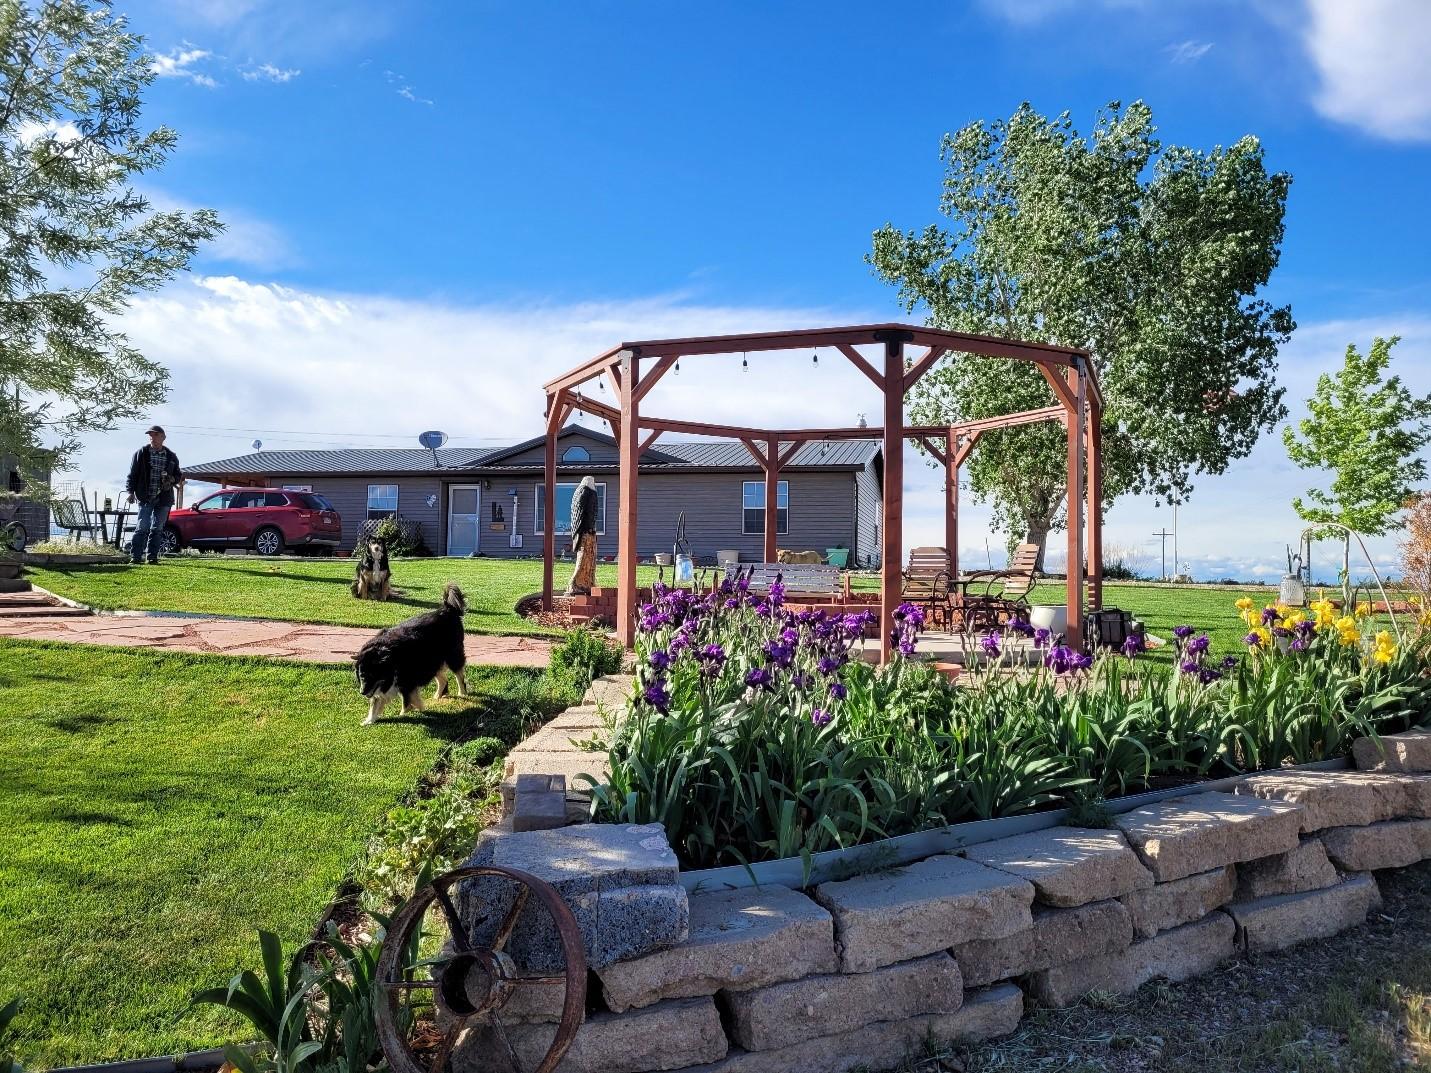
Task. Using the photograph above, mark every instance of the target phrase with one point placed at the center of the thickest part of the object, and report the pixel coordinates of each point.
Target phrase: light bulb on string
(678, 367)
(744, 364)
(815, 359)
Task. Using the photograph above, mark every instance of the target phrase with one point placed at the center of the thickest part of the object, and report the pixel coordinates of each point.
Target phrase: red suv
(268, 520)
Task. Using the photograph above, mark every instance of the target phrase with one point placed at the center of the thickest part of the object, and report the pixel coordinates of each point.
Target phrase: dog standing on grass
(402, 659)
(374, 580)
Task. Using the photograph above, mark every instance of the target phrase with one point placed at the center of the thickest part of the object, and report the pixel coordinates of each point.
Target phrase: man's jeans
(149, 527)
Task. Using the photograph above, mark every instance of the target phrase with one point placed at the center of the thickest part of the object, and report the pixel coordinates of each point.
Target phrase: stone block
(987, 961)
(782, 1015)
(1394, 844)
(539, 811)
(1170, 905)
(935, 904)
(739, 939)
(1407, 751)
(1342, 798)
(1301, 869)
(668, 1035)
(578, 767)
(1062, 936)
(984, 1015)
(1068, 866)
(1174, 955)
(1282, 920)
(610, 691)
(1194, 834)
(619, 880)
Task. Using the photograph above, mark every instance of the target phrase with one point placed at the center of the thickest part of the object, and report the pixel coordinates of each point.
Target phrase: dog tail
(452, 598)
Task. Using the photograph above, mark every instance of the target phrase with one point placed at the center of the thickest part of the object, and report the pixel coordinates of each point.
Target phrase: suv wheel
(169, 541)
(268, 541)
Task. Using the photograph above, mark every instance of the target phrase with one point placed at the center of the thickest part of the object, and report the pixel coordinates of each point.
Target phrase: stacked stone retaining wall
(864, 971)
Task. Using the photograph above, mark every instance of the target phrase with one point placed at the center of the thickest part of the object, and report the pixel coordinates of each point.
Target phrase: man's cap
(154, 428)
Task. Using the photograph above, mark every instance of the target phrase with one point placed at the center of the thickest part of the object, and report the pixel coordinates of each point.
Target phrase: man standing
(583, 538)
(154, 474)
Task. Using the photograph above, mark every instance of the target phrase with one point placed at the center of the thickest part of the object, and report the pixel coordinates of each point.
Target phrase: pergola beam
(921, 366)
(650, 379)
(860, 362)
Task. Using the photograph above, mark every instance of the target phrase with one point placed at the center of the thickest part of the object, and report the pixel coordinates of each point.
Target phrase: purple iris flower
(990, 644)
(680, 642)
(659, 660)
(838, 691)
(1304, 629)
(777, 592)
(757, 678)
(1253, 640)
(1299, 644)
(1059, 659)
(1198, 645)
(733, 604)
(1269, 616)
(780, 655)
(1230, 663)
(828, 665)
(789, 635)
(820, 718)
(712, 659)
(1182, 633)
(1021, 626)
(1190, 667)
(1207, 674)
(1281, 631)
(657, 696)
(1132, 645)
(1042, 636)
(802, 680)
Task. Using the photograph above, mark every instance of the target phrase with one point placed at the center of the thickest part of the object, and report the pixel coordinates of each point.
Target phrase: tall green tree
(1367, 432)
(1150, 257)
(77, 241)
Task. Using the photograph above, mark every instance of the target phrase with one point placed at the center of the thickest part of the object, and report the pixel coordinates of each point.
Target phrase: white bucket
(685, 569)
(1051, 617)
(724, 557)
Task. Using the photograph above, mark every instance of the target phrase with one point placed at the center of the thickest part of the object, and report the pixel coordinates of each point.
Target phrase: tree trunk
(1347, 608)
(1036, 531)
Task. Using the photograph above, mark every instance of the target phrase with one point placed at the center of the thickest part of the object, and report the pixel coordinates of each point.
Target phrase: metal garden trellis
(1067, 369)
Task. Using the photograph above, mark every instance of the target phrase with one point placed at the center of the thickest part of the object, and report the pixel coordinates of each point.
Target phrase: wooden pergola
(633, 369)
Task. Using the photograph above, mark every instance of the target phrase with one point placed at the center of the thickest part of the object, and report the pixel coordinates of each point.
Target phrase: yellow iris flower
(1385, 649)
(1244, 604)
(1363, 610)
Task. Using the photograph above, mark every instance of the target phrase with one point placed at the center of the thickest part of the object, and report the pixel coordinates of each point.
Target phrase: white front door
(464, 518)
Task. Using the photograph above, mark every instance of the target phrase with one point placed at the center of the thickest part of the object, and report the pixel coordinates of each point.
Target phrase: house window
(382, 500)
(576, 454)
(752, 496)
(564, 492)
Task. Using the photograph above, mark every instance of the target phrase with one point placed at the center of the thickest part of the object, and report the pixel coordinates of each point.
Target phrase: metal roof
(665, 454)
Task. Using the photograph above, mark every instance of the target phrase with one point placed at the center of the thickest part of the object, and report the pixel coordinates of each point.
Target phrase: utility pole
(1164, 534)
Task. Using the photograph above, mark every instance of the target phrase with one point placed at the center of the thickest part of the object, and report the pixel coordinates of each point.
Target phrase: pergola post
(1095, 504)
(628, 437)
(892, 527)
(951, 504)
(772, 488)
(1078, 391)
(556, 413)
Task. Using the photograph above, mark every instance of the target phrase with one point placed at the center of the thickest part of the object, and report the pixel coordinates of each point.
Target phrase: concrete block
(539, 812)
(619, 880)
(1170, 905)
(1174, 955)
(739, 939)
(1068, 866)
(984, 1015)
(1395, 844)
(1408, 751)
(579, 768)
(1342, 798)
(1301, 869)
(668, 1035)
(935, 904)
(1062, 936)
(1194, 834)
(987, 961)
(1283, 920)
(769, 1018)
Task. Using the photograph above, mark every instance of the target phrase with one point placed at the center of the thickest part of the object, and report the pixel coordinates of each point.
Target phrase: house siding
(867, 510)
(536, 456)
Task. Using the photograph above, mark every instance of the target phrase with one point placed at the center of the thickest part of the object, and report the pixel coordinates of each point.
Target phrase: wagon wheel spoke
(444, 1049)
(454, 922)
(511, 1053)
(540, 980)
(499, 941)
(410, 985)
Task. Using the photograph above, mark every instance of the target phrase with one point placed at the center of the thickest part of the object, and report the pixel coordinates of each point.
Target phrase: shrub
(75, 547)
(402, 535)
(584, 655)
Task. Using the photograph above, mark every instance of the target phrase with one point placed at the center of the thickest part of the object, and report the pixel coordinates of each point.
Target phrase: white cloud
(404, 88)
(1370, 58)
(31, 131)
(1188, 51)
(267, 72)
(180, 63)
(246, 239)
(1030, 12)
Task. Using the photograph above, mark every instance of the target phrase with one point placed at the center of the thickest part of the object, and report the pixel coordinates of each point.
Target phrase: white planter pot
(1051, 617)
(723, 557)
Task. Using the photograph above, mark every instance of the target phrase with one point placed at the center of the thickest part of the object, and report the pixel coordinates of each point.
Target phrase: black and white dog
(374, 577)
(402, 659)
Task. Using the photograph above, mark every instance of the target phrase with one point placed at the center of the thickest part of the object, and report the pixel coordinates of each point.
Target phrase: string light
(815, 358)
(678, 366)
(744, 364)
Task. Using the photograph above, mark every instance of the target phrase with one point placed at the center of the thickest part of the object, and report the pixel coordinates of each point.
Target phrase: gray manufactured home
(484, 501)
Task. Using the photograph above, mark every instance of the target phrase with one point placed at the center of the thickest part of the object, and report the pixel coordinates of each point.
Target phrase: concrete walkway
(237, 637)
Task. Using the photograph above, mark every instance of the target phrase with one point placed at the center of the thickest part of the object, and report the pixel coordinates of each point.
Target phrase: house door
(464, 509)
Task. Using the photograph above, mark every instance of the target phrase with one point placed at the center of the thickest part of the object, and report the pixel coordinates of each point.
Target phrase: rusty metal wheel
(469, 984)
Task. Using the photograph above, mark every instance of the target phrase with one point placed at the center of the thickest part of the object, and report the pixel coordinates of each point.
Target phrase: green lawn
(312, 590)
(159, 808)
(316, 590)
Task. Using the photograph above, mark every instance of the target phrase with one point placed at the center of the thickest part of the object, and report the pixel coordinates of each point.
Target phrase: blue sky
(483, 193)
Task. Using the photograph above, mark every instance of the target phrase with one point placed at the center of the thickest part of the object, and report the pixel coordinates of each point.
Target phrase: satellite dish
(432, 440)
(257, 445)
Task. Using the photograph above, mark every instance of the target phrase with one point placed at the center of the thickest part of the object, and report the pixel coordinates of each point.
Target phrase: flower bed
(756, 736)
